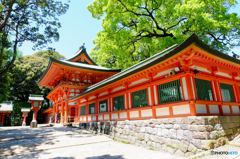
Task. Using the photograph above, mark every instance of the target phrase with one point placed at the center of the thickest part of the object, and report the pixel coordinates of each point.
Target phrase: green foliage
(125, 142)
(16, 115)
(134, 30)
(4, 87)
(35, 20)
(23, 77)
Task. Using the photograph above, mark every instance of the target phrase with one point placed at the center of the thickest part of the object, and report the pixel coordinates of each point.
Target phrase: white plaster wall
(155, 94)
(177, 110)
(200, 69)
(118, 88)
(235, 109)
(100, 117)
(134, 114)
(106, 116)
(162, 111)
(104, 93)
(146, 113)
(77, 90)
(201, 108)
(89, 118)
(72, 103)
(226, 109)
(92, 97)
(184, 88)
(213, 109)
(115, 116)
(84, 118)
(122, 115)
(72, 90)
(94, 118)
(163, 73)
(138, 81)
(149, 96)
(80, 119)
(223, 74)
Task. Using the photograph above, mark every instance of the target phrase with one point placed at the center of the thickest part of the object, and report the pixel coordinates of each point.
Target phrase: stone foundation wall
(180, 136)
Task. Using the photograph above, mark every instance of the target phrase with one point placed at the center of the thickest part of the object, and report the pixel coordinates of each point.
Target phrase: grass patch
(115, 140)
(125, 142)
(151, 148)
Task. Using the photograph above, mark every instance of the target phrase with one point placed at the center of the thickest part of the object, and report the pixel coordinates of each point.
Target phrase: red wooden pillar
(62, 110)
(66, 112)
(219, 95)
(190, 93)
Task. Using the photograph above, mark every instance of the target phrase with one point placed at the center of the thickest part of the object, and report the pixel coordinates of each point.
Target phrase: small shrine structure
(6, 107)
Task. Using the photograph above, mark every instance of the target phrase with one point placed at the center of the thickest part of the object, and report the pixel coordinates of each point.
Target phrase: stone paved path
(70, 143)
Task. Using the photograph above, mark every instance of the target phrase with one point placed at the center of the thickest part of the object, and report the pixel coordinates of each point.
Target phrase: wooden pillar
(219, 95)
(66, 112)
(190, 93)
(62, 110)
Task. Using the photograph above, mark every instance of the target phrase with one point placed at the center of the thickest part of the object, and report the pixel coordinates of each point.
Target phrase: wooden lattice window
(118, 102)
(92, 108)
(83, 110)
(227, 92)
(204, 89)
(139, 98)
(103, 106)
(170, 92)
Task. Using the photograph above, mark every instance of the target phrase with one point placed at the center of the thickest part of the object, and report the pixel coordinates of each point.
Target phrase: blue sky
(79, 27)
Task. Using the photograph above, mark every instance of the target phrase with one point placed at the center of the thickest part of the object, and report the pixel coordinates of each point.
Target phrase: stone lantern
(25, 112)
(36, 101)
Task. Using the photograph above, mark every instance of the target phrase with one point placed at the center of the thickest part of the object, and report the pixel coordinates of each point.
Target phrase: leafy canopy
(29, 20)
(134, 30)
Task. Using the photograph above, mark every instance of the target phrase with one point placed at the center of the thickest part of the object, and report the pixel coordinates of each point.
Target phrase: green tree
(23, 77)
(28, 20)
(134, 30)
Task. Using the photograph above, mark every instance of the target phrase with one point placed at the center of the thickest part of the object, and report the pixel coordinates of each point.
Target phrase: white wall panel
(162, 111)
(177, 110)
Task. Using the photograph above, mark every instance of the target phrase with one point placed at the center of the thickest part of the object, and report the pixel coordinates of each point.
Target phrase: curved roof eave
(76, 65)
(157, 58)
(80, 52)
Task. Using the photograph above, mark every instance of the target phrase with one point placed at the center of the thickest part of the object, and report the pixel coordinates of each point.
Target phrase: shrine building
(6, 107)
(190, 79)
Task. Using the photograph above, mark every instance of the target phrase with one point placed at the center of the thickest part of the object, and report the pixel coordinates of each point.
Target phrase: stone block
(201, 135)
(168, 126)
(127, 132)
(159, 132)
(193, 120)
(199, 151)
(179, 153)
(170, 150)
(184, 146)
(218, 127)
(162, 140)
(154, 131)
(159, 121)
(152, 125)
(149, 144)
(165, 121)
(180, 135)
(149, 130)
(230, 125)
(197, 143)
(165, 132)
(220, 142)
(224, 126)
(178, 120)
(143, 143)
(175, 144)
(193, 127)
(208, 144)
(188, 135)
(132, 133)
(184, 126)
(214, 134)
(211, 120)
(188, 154)
(163, 148)
(158, 146)
(236, 124)
(140, 136)
(192, 148)
(138, 143)
(176, 126)
(129, 138)
(145, 123)
(154, 145)
(151, 137)
(157, 126)
(228, 131)
(171, 120)
(168, 142)
(146, 137)
(142, 129)
(133, 140)
(222, 119)
(172, 133)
